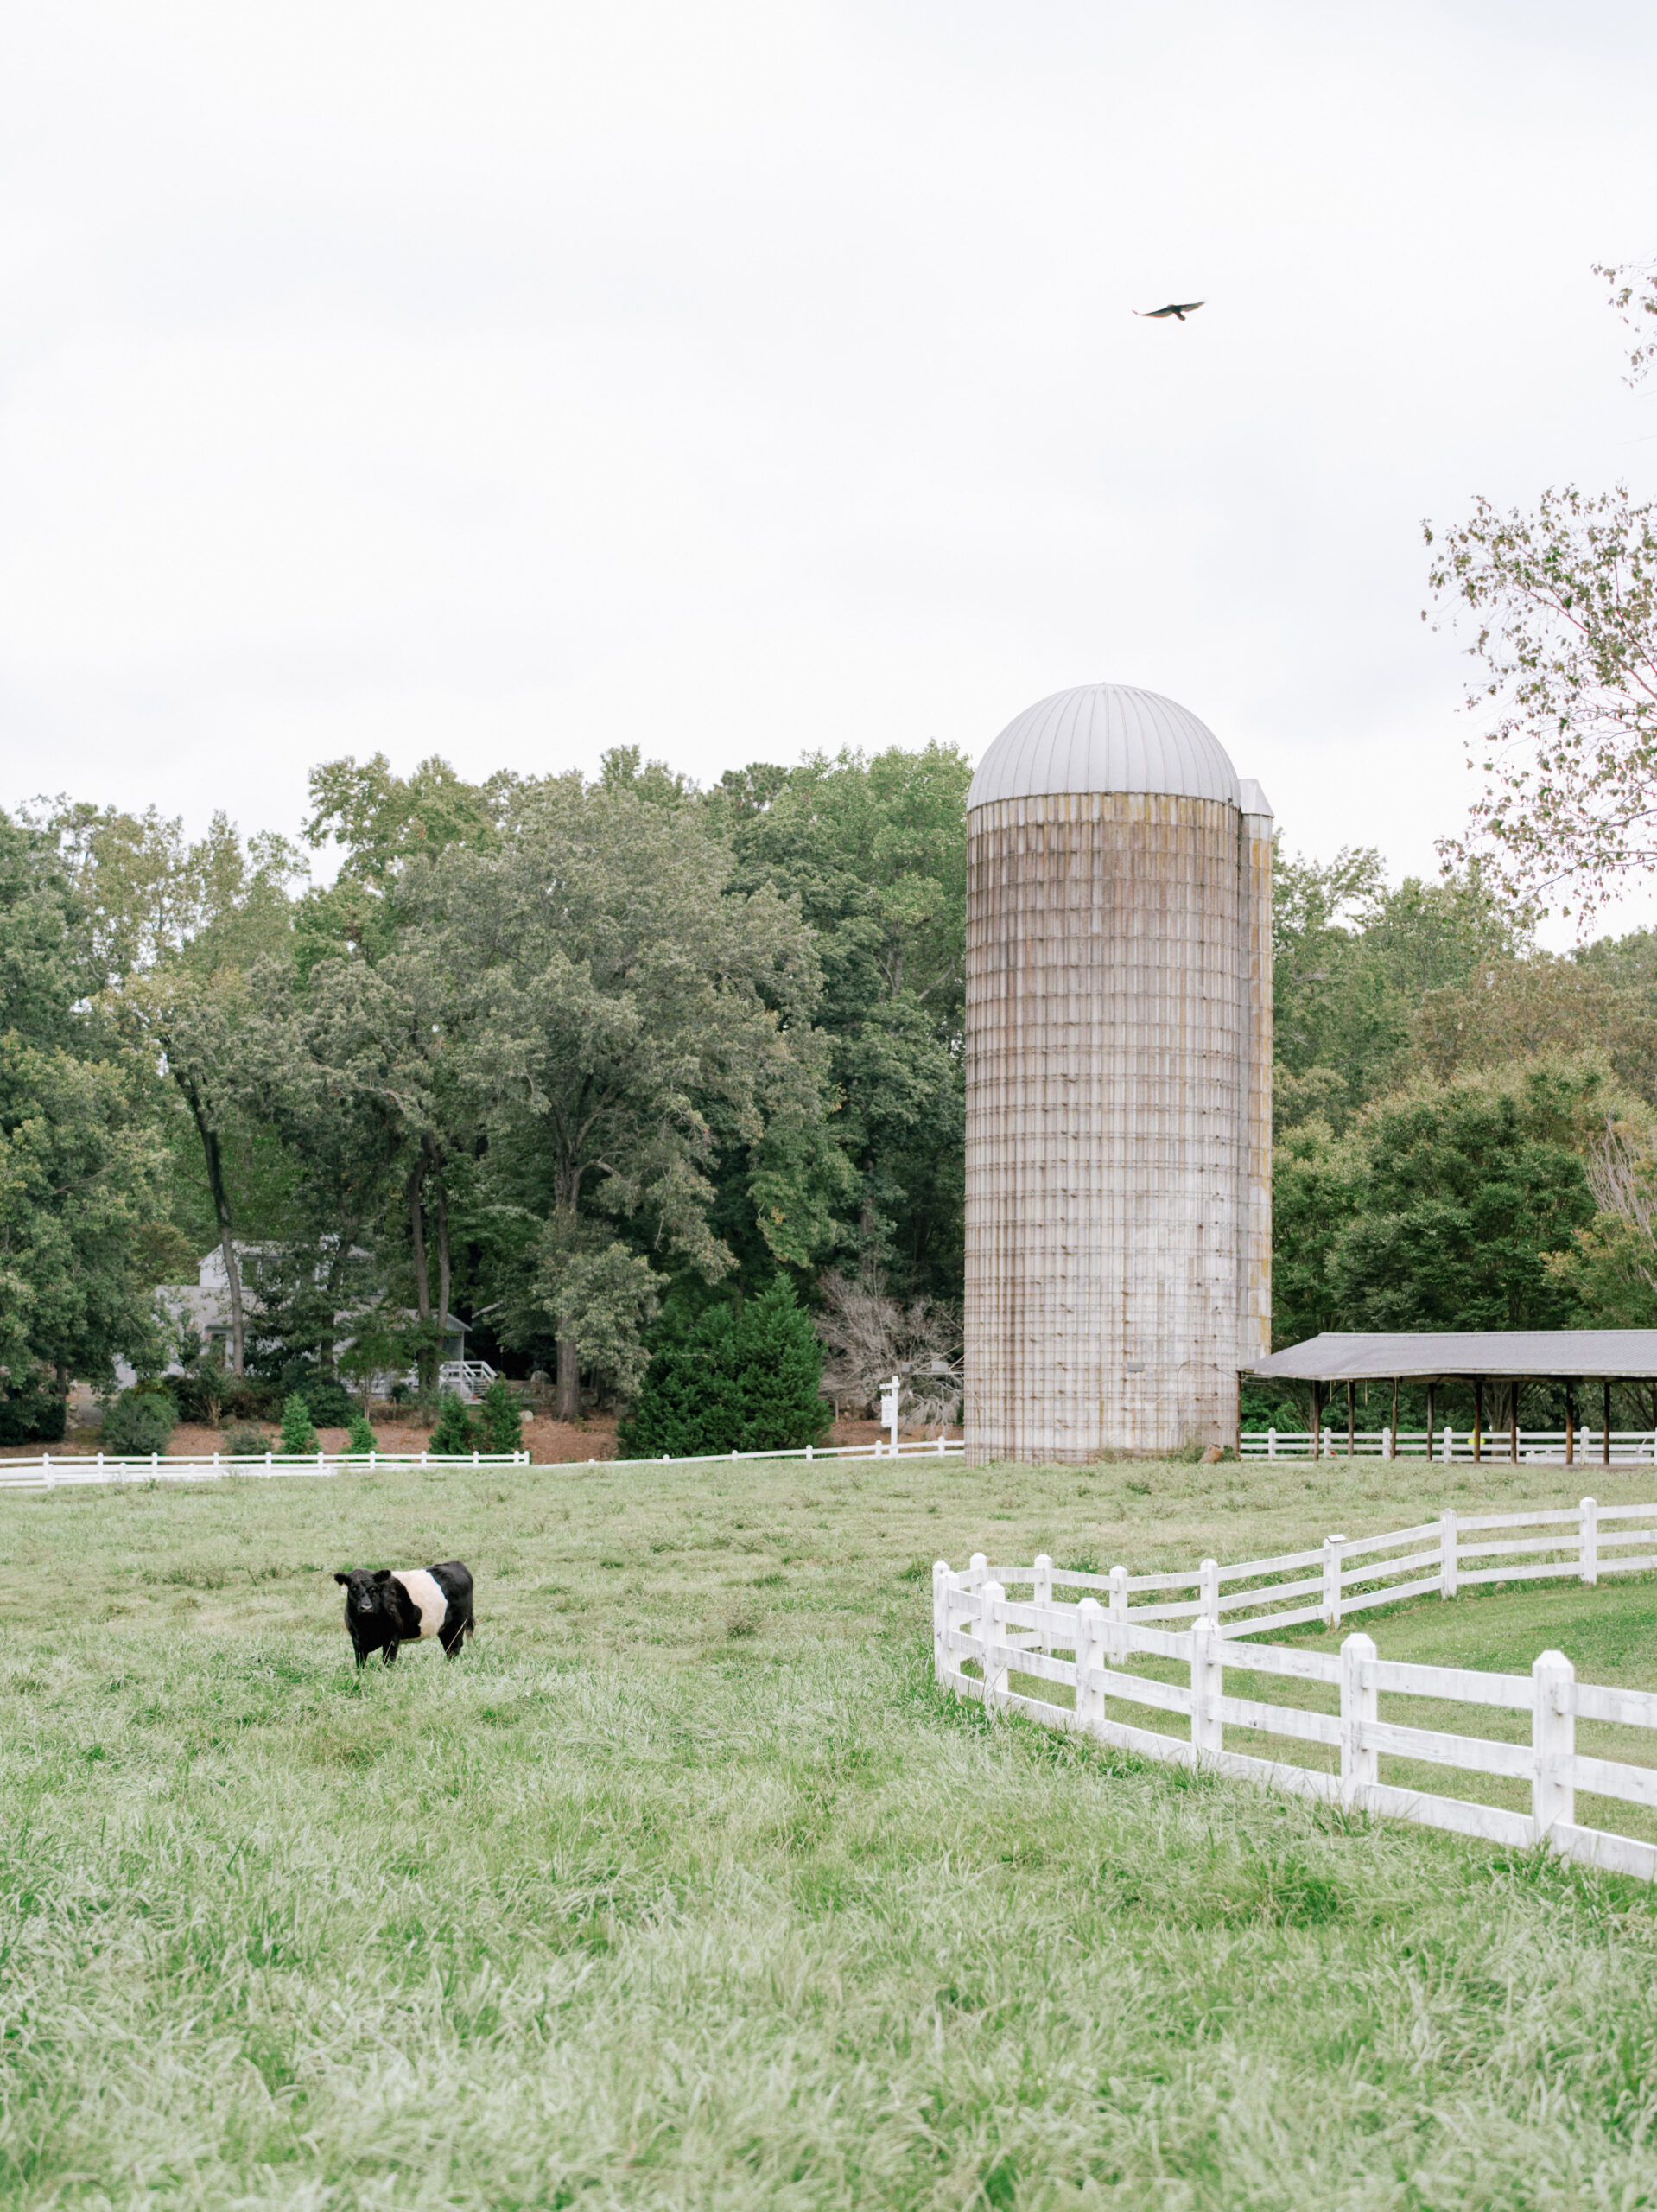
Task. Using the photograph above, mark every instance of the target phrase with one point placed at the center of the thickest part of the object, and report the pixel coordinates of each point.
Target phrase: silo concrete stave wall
(1118, 1241)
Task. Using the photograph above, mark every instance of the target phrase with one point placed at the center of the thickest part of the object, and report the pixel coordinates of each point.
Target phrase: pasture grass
(686, 1888)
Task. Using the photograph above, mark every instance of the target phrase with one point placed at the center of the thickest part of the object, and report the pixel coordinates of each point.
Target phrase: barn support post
(1570, 1425)
(1513, 1421)
(1392, 1434)
(1351, 1420)
(1432, 1395)
(1605, 1433)
(1478, 1419)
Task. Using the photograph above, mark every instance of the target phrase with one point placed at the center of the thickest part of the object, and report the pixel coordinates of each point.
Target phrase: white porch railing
(1627, 1447)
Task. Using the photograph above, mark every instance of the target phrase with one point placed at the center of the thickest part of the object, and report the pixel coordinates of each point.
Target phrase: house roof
(1499, 1355)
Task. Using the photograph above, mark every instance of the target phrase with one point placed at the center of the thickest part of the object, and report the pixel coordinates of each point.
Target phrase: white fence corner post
(1042, 1593)
(1554, 1740)
(997, 1657)
(1090, 1633)
(1360, 1704)
(1206, 1680)
(1333, 1549)
(1447, 1552)
(1388, 1444)
(1119, 1615)
(1588, 1539)
(1209, 1591)
(1450, 1444)
(1271, 1444)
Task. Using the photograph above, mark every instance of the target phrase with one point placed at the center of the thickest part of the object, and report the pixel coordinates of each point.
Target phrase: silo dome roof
(1106, 737)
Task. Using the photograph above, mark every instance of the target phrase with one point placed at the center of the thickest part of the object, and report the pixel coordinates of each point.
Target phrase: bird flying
(1179, 309)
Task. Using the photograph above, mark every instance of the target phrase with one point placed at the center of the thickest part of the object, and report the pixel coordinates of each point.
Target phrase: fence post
(1207, 1734)
(992, 1597)
(1209, 1591)
(1553, 1740)
(1042, 1593)
(1271, 1444)
(1450, 1444)
(1119, 1614)
(1360, 1702)
(1090, 1653)
(1589, 1540)
(1389, 1446)
(1447, 1557)
(1332, 1549)
(940, 1618)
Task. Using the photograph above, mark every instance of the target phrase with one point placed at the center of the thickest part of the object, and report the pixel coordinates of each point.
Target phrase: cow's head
(365, 1588)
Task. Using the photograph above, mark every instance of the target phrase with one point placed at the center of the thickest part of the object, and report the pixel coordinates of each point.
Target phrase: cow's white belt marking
(426, 1593)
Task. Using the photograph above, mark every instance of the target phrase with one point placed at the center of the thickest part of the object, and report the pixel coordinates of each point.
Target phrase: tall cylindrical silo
(1118, 1055)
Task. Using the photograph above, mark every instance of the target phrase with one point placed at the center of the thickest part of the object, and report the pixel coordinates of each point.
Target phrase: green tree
(874, 849)
(298, 1434)
(1460, 1191)
(500, 1418)
(741, 1378)
(1563, 601)
(452, 1431)
(1352, 959)
(637, 1019)
(80, 1178)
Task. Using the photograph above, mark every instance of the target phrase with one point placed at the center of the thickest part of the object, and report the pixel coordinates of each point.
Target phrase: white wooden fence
(975, 1623)
(48, 1472)
(1541, 1446)
(1346, 1575)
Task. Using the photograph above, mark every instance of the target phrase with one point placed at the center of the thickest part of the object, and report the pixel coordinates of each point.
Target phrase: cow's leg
(391, 1652)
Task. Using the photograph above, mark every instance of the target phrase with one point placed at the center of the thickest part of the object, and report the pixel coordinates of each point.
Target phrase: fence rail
(1586, 1541)
(1635, 1447)
(62, 1470)
(975, 1623)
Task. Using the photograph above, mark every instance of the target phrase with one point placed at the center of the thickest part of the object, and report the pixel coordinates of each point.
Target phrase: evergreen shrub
(359, 1437)
(32, 1412)
(501, 1418)
(139, 1420)
(741, 1378)
(298, 1434)
(452, 1431)
(208, 1396)
(327, 1400)
(243, 1442)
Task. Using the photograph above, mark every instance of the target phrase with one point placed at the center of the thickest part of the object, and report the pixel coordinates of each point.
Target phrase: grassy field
(685, 1888)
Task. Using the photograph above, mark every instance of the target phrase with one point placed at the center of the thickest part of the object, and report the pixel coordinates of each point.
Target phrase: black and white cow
(385, 1608)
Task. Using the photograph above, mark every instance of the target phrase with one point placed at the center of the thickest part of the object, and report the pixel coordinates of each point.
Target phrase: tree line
(581, 1059)
(573, 1058)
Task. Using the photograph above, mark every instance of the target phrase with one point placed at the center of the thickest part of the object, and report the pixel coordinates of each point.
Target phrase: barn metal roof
(1501, 1355)
(1107, 737)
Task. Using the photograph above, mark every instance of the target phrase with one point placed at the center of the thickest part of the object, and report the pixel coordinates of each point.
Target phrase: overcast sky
(517, 380)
